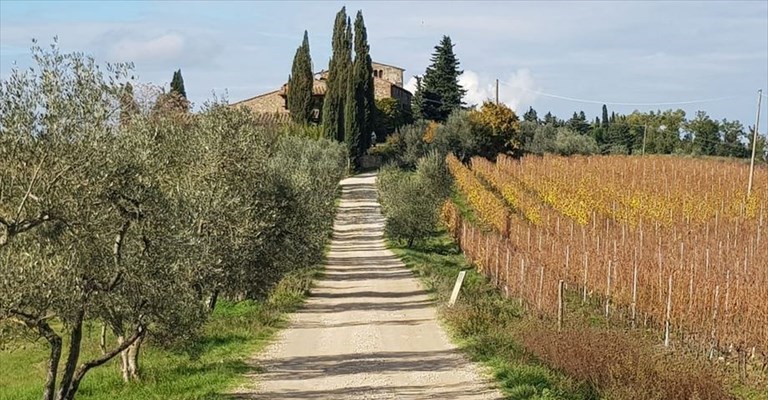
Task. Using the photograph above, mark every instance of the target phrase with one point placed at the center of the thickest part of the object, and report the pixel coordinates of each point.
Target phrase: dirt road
(368, 331)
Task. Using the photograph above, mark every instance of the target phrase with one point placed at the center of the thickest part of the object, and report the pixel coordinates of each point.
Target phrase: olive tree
(83, 223)
(411, 201)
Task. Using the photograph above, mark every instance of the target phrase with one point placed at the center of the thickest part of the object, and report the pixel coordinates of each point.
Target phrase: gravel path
(368, 331)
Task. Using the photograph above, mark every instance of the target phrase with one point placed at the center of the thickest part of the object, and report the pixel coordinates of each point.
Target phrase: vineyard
(658, 242)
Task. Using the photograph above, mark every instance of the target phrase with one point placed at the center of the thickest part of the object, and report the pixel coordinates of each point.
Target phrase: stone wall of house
(389, 73)
(270, 102)
(381, 89)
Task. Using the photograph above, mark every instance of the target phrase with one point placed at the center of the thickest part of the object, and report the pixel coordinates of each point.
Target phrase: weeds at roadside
(531, 360)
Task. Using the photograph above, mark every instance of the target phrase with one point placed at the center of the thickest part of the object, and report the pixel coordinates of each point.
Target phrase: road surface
(368, 330)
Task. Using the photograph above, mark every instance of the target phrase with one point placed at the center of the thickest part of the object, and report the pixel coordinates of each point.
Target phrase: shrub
(568, 143)
(411, 200)
(562, 141)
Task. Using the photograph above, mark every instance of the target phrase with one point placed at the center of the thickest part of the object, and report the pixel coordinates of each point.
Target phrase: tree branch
(29, 189)
(85, 367)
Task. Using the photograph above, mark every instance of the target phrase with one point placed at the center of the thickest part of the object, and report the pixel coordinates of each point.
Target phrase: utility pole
(645, 133)
(497, 91)
(754, 142)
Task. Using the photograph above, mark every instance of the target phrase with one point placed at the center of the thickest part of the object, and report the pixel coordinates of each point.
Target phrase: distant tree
(618, 138)
(734, 139)
(531, 115)
(177, 84)
(360, 106)
(551, 119)
(390, 115)
(578, 123)
(338, 72)
(129, 108)
(605, 116)
(705, 133)
(417, 103)
(502, 128)
(441, 90)
(300, 84)
(761, 148)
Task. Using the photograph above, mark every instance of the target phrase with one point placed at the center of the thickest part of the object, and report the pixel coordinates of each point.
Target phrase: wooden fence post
(669, 311)
(560, 305)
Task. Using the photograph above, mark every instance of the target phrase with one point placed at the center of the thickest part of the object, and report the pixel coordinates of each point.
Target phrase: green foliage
(307, 131)
(338, 72)
(569, 143)
(484, 324)
(440, 93)
(177, 84)
(471, 133)
(501, 127)
(300, 84)
(216, 361)
(137, 226)
(389, 117)
(407, 219)
(578, 123)
(531, 115)
(562, 141)
(359, 107)
(417, 102)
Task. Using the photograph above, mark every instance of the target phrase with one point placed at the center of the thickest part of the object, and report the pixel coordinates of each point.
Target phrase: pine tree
(360, 106)
(531, 115)
(177, 84)
(605, 116)
(442, 92)
(338, 71)
(300, 84)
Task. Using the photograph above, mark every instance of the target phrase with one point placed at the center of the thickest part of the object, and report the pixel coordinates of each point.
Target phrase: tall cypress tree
(359, 106)
(605, 115)
(336, 84)
(417, 102)
(442, 92)
(177, 84)
(300, 84)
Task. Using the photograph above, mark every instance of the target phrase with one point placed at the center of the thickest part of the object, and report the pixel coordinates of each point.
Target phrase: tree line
(348, 108)
(656, 132)
(137, 216)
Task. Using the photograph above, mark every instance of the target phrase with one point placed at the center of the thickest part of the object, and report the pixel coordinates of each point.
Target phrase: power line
(613, 103)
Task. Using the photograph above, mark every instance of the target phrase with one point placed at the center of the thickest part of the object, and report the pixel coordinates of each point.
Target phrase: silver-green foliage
(411, 201)
(139, 223)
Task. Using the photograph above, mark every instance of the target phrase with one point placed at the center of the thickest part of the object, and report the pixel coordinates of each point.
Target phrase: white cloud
(168, 46)
(517, 90)
(411, 85)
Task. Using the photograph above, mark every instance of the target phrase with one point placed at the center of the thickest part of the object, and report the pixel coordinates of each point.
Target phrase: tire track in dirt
(368, 330)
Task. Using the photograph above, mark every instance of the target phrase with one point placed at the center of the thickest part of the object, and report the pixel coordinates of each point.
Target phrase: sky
(558, 56)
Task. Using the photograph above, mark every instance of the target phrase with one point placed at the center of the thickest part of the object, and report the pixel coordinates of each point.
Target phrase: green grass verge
(482, 322)
(214, 363)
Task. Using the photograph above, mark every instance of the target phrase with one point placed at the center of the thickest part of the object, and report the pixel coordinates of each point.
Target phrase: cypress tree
(177, 84)
(531, 115)
(417, 102)
(359, 107)
(300, 84)
(338, 71)
(605, 115)
(442, 92)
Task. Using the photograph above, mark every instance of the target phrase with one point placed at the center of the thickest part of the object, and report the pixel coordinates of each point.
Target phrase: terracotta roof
(256, 97)
(318, 88)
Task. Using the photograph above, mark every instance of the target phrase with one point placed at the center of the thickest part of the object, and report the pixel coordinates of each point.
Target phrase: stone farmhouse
(387, 82)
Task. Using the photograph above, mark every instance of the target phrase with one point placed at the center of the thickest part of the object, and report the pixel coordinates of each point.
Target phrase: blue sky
(632, 55)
